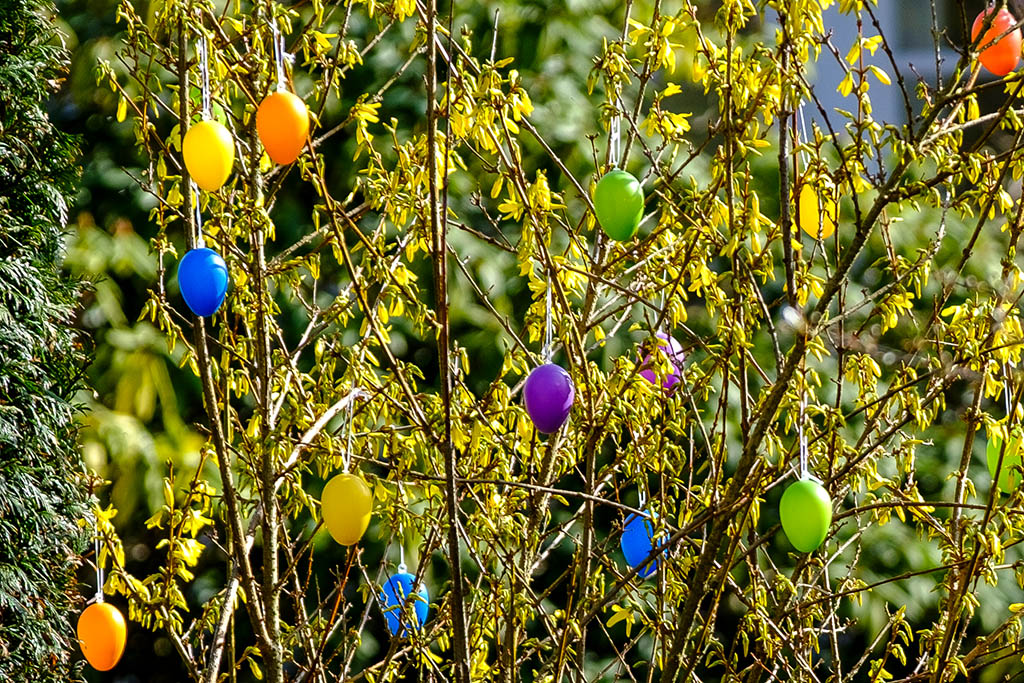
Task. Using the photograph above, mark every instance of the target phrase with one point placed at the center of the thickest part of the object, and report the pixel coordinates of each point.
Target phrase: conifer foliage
(41, 493)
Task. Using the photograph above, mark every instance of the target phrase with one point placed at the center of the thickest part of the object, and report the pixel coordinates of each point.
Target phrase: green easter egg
(1009, 474)
(806, 512)
(619, 204)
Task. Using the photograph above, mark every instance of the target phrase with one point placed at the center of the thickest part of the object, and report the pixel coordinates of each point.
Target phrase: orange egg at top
(282, 122)
(101, 633)
(1003, 55)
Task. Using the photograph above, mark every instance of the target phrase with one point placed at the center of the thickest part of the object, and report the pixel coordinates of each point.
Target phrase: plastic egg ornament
(400, 611)
(619, 204)
(101, 633)
(816, 216)
(1003, 55)
(806, 512)
(203, 280)
(282, 122)
(346, 506)
(549, 393)
(671, 347)
(1009, 472)
(209, 154)
(637, 543)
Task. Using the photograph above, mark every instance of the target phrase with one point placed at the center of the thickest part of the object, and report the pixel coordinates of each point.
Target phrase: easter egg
(203, 280)
(813, 214)
(676, 356)
(209, 154)
(282, 122)
(549, 394)
(346, 506)
(101, 633)
(637, 543)
(400, 611)
(1009, 474)
(619, 204)
(1002, 57)
(806, 512)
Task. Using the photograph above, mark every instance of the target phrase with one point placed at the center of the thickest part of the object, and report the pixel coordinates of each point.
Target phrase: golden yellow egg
(346, 505)
(209, 154)
(811, 215)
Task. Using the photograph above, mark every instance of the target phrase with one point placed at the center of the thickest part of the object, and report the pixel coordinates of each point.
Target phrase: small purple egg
(670, 346)
(549, 394)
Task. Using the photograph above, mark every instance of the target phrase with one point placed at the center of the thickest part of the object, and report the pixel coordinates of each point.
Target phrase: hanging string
(278, 55)
(803, 131)
(548, 351)
(641, 497)
(204, 69)
(801, 433)
(666, 323)
(99, 567)
(1007, 388)
(804, 470)
(198, 215)
(347, 458)
(401, 535)
(614, 141)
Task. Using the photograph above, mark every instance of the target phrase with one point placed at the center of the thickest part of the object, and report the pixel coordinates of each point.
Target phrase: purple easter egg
(549, 394)
(676, 356)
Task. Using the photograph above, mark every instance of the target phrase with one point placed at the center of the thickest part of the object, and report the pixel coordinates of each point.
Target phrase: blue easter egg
(637, 542)
(398, 610)
(203, 280)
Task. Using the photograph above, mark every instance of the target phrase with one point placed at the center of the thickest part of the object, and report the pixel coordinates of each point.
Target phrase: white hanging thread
(801, 435)
(1006, 390)
(548, 351)
(99, 568)
(641, 498)
(401, 535)
(278, 55)
(666, 324)
(200, 242)
(347, 458)
(614, 141)
(204, 69)
(804, 155)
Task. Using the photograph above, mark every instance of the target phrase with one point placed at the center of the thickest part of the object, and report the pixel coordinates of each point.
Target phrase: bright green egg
(619, 203)
(806, 512)
(1009, 474)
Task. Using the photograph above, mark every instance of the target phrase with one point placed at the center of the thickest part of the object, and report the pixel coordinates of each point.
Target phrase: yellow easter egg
(346, 505)
(811, 215)
(209, 154)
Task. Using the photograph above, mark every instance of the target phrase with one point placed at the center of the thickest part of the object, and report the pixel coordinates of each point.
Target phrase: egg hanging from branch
(209, 154)
(101, 633)
(282, 122)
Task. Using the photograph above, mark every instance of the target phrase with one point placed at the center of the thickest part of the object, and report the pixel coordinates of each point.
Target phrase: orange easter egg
(101, 633)
(209, 154)
(346, 505)
(1003, 55)
(282, 122)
